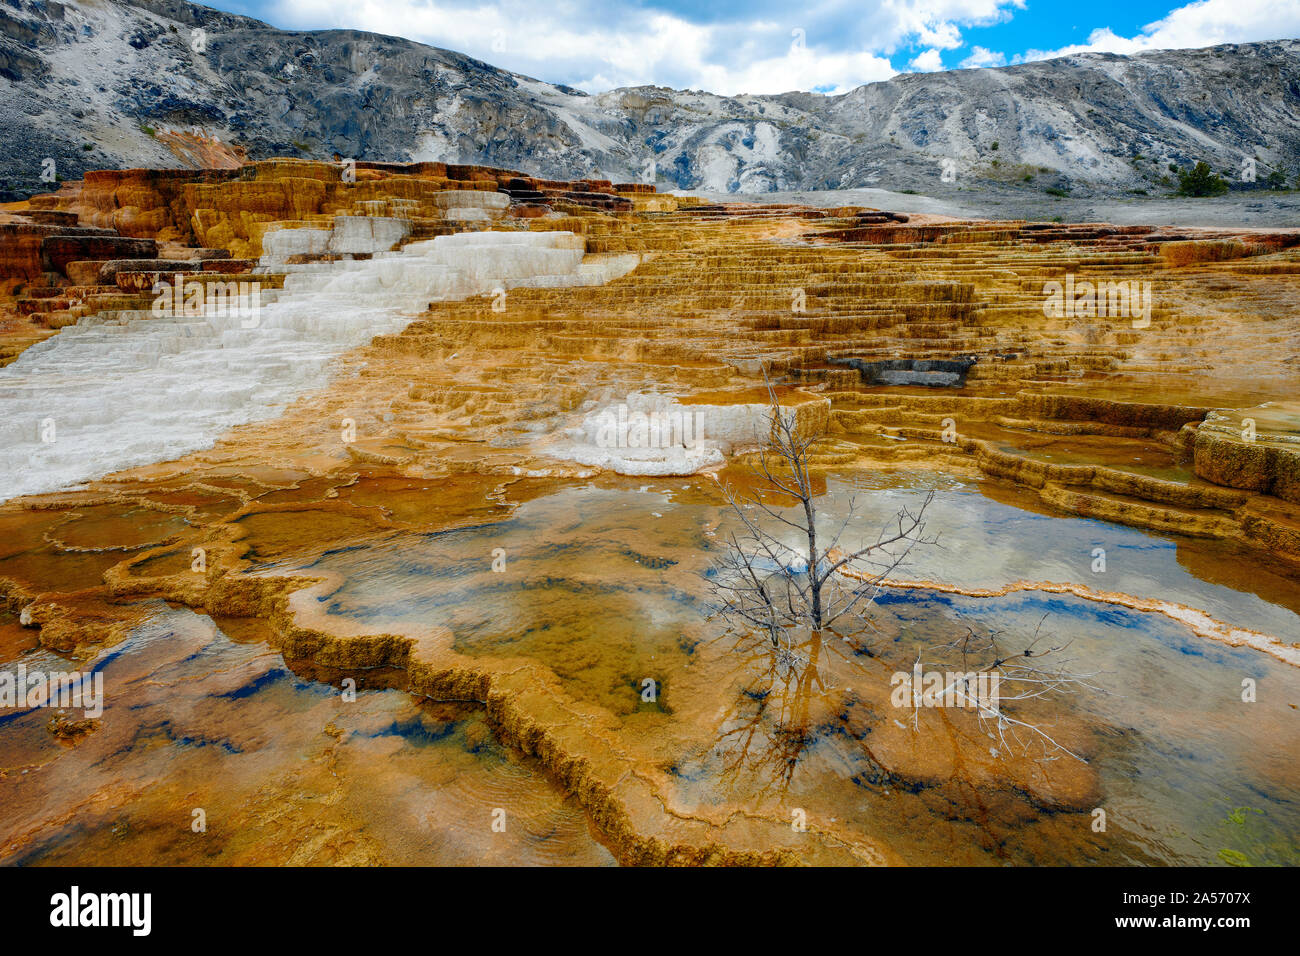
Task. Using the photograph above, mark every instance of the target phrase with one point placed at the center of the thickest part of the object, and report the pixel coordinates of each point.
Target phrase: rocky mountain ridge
(111, 83)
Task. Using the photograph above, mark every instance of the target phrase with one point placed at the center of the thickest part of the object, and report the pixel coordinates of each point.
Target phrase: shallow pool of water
(213, 751)
(603, 585)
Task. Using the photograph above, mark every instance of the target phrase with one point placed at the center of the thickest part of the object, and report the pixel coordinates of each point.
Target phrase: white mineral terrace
(120, 390)
(651, 434)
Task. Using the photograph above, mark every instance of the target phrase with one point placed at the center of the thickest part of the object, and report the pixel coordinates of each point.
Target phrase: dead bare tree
(776, 578)
(764, 583)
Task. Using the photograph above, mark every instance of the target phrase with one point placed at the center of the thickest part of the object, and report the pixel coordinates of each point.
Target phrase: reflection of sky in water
(1174, 747)
(598, 587)
(194, 719)
(985, 544)
(1177, 748)
(592, 537)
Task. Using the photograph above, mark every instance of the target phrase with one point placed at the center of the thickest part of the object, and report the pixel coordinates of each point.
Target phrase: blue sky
(772, 46)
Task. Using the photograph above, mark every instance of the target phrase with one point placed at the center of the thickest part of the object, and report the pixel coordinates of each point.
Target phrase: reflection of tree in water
(766, 732)
(788, 705)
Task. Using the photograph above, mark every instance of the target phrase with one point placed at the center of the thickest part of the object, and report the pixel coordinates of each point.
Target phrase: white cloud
(979, 56)
(927, 61)
(945, 36)
(831, 45)
(1200, 24)
(600, 44)
(937, 23)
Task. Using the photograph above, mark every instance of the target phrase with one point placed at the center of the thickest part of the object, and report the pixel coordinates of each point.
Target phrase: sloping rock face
(476, 352)
(126, 385)
(130, 83)
(59, 250)
(1256, 449)
(325, 258)
(100, 245)
(1121, 321)
(233, 209)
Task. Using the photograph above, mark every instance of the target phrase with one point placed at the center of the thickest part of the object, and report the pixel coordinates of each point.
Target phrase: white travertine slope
(653, 434)
(116, 393)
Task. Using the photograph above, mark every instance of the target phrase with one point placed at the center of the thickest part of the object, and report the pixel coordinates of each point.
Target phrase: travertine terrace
(914, 345)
